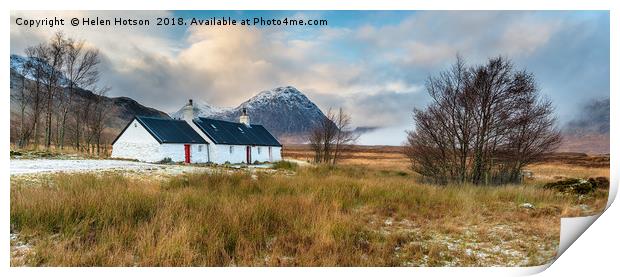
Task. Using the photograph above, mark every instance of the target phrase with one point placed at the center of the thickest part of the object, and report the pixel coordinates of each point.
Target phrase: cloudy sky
(373, 64)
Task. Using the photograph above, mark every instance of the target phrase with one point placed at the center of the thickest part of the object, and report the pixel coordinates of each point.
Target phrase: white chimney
(188, 111)
(244, 118)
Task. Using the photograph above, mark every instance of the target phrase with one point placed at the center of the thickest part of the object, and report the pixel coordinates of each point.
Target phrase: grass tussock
(286, 165)
(321, 216)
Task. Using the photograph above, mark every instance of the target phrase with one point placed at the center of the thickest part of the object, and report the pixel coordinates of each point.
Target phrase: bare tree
(329, 131)
(322, 138)
(344, 133)
(533, 134)
(51, 55)
(37, 69)
(331, 134)
(81, 71)
(316, 144)
(483, 125)
(81, 112)
(98, 115)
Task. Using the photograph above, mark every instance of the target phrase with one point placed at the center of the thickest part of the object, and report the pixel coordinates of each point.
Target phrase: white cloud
(523, 37)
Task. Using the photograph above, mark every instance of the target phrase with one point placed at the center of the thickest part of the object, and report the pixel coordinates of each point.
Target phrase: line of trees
(332, 134)
(485, 123)
(48, 82)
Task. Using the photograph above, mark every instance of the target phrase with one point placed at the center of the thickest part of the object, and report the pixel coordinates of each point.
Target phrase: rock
(572, 185)
(527, 206)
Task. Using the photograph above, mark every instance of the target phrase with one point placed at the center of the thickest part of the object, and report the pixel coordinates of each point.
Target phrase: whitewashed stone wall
(176, 152)
(221, 154)
(136, 143)
(199, 153)
(276, 154)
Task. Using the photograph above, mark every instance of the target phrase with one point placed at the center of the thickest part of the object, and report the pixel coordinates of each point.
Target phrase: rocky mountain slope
(285, 111)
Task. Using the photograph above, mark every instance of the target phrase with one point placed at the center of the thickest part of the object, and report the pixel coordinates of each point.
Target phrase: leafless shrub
(483, 125)
(332, 134)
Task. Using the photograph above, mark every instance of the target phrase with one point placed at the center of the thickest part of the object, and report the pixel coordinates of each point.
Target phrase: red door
(248, 154)
(187, 154)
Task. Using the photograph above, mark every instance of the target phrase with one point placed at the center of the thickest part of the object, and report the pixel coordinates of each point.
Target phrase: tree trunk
(48, 121)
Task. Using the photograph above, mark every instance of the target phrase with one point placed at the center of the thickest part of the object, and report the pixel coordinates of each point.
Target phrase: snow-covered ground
(48, 165)
(34, 166)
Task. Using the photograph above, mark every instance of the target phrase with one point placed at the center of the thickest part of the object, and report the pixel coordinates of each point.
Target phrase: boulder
(572, 185)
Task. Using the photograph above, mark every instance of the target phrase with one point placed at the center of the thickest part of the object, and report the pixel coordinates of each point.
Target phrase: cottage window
(231, 149)
(258, 150)
(199, 148)
(135, 125)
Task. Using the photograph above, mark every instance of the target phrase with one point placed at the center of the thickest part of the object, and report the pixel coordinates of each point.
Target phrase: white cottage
(196, 140)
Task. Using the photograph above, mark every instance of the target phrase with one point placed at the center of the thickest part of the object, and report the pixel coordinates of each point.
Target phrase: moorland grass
(321, 216)
(283, 164)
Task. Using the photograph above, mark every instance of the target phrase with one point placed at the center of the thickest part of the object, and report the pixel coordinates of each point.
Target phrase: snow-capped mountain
(285, 111)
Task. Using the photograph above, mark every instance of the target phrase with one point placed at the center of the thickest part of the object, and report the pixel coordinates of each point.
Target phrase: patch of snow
(481, 255)
(527, 206)
(468, 252)
(584, 207)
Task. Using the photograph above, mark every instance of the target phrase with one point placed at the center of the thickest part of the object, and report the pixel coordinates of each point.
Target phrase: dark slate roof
(232, 133)
(168, 130)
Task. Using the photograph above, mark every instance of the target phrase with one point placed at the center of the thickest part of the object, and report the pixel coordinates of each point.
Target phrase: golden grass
(320, 216)
(377, 157)
(554, 171)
